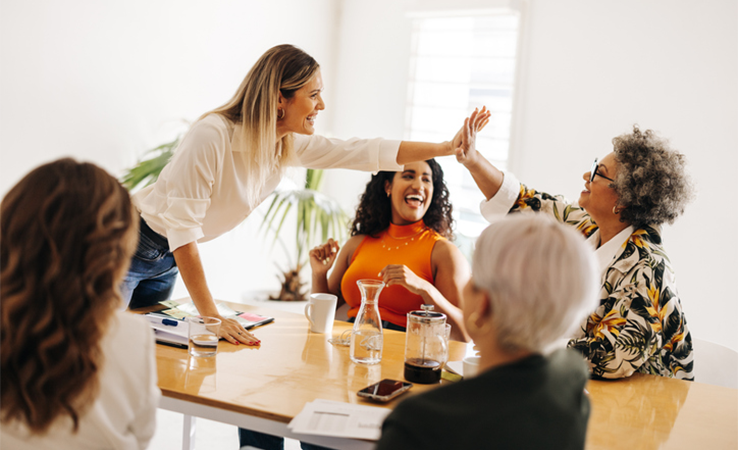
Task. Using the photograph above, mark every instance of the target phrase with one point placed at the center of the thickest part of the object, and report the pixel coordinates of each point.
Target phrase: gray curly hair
(652, 184)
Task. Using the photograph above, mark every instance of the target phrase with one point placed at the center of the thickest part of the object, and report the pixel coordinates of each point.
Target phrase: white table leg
(189, 429)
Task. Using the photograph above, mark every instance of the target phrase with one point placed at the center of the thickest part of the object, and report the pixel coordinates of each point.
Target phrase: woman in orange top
(400, 234)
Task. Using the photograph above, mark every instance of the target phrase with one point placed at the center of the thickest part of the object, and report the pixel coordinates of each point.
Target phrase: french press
(426, 345)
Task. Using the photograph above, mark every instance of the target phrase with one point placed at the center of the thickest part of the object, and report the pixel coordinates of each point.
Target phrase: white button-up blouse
(201, 193)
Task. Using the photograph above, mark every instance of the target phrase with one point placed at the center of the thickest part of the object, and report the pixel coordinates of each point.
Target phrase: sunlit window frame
(469, 220)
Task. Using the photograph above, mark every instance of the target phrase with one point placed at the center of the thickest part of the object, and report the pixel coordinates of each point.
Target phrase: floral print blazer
(639, 325)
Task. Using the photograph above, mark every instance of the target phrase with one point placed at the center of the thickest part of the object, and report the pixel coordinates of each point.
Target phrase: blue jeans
(153, 271)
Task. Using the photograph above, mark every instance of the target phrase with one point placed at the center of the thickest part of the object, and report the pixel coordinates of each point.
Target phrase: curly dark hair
(67, 234)
(652, 185)
(374, 212)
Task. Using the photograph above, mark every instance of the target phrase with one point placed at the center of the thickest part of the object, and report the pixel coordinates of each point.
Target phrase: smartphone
(385, 390)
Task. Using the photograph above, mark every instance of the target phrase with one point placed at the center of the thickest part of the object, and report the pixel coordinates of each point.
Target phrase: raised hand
(465, 145)
(323, 256)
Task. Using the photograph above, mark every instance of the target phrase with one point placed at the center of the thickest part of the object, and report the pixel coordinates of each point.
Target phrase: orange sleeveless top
(410, 245)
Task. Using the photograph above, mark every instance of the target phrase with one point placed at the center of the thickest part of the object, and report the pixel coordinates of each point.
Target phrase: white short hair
(540, 276)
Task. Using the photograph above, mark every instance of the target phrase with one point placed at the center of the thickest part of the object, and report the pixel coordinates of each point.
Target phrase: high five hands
(465, 140)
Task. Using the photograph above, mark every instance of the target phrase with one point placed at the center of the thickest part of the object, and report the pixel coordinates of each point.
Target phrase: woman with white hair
(533, 280)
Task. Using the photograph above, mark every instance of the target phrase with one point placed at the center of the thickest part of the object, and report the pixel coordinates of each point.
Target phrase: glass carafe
(366, 337)
(426, 345)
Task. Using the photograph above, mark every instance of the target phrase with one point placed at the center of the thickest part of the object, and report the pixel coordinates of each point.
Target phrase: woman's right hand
(399, 274)
(234, 332)
(323, 256)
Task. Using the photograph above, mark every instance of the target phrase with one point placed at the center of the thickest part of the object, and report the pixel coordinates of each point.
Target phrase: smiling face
(301, 110)
(598, 198)
(411, 193)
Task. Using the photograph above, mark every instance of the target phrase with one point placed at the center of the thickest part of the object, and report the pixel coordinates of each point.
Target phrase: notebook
(170, 328)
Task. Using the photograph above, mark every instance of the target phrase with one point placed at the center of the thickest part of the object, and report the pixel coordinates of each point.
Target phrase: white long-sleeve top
(201, 193)
(123, 416)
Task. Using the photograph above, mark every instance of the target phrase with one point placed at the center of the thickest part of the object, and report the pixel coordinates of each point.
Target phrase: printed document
(339, 419)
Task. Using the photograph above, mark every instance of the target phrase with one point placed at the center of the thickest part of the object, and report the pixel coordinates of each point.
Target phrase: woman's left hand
(401, 275)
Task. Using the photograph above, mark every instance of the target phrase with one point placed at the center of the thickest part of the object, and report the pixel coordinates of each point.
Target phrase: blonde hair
(540, 276)
(281, 69)
(67, 234)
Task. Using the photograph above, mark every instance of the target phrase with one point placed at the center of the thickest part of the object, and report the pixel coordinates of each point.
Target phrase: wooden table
(263, 388)
(652, 412)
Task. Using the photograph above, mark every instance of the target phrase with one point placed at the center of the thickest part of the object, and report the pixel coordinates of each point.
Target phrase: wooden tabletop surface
(293, 366)
(652, 412)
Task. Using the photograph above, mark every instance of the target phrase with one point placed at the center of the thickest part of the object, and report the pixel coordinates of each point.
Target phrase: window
(458, 63)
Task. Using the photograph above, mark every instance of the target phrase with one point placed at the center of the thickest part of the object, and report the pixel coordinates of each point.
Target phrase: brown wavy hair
(374, 212)
(67, 233)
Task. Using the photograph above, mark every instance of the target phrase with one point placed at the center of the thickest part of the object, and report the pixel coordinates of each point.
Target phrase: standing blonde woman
(77, 373)
(230, 161)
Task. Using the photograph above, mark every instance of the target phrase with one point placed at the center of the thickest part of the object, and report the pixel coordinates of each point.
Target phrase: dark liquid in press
(422, 371)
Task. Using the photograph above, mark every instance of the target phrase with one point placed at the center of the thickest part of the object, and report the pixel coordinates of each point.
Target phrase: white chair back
(715, 364)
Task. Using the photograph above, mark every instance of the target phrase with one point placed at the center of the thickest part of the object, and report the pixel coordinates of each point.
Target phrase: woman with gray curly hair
(639, 325)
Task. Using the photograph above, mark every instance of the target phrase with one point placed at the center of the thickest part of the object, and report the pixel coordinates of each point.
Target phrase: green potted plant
(147, 171)
(317, 214)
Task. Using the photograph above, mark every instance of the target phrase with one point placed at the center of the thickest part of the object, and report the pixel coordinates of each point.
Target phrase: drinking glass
(203, 336)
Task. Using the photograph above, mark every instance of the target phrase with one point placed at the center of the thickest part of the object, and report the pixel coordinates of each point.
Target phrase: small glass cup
(203, 336)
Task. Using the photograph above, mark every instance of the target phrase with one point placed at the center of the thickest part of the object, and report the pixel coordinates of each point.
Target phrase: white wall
(105, 81)
(596, 68)
(590, 71)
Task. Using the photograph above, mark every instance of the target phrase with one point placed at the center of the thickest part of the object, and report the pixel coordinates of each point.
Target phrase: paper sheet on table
(456, 367)
(347, 420)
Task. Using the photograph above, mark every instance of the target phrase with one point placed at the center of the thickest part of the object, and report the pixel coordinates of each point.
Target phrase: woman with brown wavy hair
(77, 372)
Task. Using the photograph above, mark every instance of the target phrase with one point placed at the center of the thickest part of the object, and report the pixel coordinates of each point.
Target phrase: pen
(164, 320)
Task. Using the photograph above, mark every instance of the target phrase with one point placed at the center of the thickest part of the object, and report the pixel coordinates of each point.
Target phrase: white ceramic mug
(320, 312)
(471, 366)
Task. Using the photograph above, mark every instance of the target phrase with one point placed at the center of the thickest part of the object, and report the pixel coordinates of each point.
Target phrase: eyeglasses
(593, 172)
